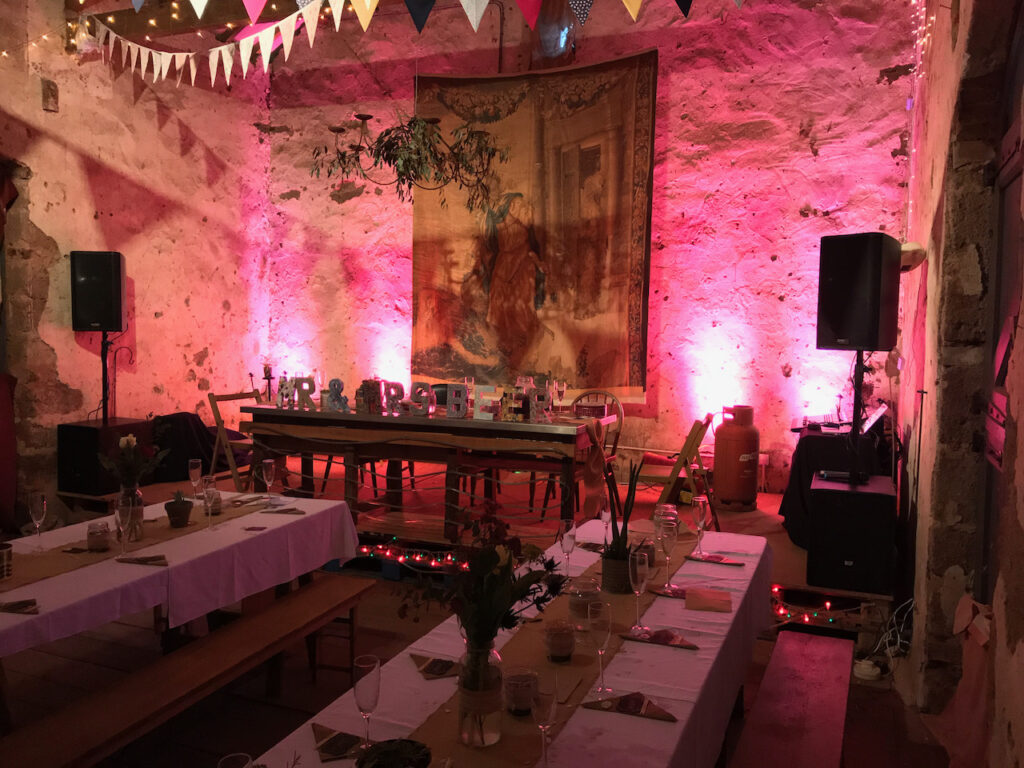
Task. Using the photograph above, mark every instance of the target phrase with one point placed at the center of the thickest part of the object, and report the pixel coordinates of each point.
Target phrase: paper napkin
(662, 637)
(632, 704)
(281, 511)
(144, 560)
(20, 606)
(334, 745)
(432, 668)
(716, 559)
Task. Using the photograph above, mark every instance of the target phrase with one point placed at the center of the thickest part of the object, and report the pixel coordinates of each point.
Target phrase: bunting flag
(419, 10)
(633, 6)
(286, 27)
(684, 6)
(581, 8)
(214, 63)
(475, 11)
(101, 36)
(337, 6)
(253, 8)
(179, 66)
(364, 14)
(125, 48)
(245, 52)
(166, 59)
(110, 45)
(135, 55)
(193, 67)
(198, 6)
(137, 5)
(530, 10)
(143, 61)
(266, 38)
(311, 17)
(227, 53)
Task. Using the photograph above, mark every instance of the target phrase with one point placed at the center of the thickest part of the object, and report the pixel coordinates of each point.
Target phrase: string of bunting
(269, 35)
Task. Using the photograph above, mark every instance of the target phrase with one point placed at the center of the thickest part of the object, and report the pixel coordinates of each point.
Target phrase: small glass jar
(97, 538)
(664, 513)
(582, 592)
(560, 640)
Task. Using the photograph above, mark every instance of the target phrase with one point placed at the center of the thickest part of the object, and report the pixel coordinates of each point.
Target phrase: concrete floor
(881, 732)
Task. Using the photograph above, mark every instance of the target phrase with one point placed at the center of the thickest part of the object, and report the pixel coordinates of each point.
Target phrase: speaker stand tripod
(105, 344)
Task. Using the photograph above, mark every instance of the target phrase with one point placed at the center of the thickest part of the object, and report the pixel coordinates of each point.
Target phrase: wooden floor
(881, 731)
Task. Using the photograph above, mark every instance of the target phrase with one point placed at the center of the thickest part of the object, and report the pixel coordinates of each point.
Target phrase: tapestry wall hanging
(551, 277)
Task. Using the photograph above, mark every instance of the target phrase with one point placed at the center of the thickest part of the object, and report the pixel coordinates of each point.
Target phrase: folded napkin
(20, 606)
(706, 599)
(712, 557)
(632, 704)
(669, 590)
(335, 745)
(143, 560)
(75, 550)
(282, 511)
(255, 528)
(590, 546)
(662, 637)
(433, 668)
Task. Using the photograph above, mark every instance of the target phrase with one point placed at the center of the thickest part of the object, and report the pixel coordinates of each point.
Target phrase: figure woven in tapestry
(551, 275)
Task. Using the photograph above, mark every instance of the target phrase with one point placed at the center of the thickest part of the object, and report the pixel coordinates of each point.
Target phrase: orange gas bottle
(736, 459)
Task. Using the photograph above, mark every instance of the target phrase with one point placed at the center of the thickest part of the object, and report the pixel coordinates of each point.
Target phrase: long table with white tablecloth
(698, 687)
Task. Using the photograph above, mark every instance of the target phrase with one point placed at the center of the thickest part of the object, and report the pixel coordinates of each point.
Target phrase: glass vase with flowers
(130, 464)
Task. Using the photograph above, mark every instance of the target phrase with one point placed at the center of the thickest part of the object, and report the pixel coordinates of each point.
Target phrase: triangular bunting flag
(214, 63)
(633, 6)
(157, 65)
(110, 45)
(311, 17)
(135, 55)
(266, 37)
(337, 6)
(137, 4)
(198, 6)
(125, 47)
(228, 59)
(179, 65)
(419, 10)
(530, 10)
(365, 14)
(101, 36)
(287, 29)
(245, 52)
(475, 11)
(253, 8)
(582, 8)
(143, 61)
(684, 6)
(192, 67)
(165, 64)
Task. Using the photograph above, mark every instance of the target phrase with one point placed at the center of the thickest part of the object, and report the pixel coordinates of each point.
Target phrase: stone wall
(173, 178)
(776, 124)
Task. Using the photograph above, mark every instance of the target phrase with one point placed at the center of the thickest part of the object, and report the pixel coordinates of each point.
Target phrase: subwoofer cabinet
(852, 542)
(79, 445)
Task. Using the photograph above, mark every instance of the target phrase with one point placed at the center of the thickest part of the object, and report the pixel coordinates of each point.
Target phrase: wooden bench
(95, 726)
(799, 714)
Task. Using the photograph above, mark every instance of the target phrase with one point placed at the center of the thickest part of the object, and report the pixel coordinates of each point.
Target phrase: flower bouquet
(130, 464)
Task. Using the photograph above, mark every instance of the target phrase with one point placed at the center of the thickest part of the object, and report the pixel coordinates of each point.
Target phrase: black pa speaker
(858, 291)
(97, 291)
(852, 538)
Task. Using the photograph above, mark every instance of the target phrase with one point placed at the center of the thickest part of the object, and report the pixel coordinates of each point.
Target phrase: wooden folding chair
(223, 442)
(686, 476)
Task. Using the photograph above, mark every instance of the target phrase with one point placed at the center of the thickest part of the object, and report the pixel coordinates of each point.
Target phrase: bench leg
(275, 675)
(5, 714)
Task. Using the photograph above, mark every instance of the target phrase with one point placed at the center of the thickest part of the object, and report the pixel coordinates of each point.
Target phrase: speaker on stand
(98, 302)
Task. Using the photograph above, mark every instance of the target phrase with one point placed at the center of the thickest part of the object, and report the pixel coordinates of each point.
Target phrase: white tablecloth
(207, 569)
(698, 687)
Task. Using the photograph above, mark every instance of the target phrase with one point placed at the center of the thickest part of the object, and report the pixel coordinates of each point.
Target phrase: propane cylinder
(736, 460)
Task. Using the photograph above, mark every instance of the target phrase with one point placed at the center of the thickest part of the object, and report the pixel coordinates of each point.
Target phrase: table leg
(306, 489)
(5, 713)
(568, 480)
(351, 481)
(451, 502)
(393, 496)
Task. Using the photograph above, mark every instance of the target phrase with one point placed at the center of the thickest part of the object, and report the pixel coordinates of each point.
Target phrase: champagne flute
(561, 386)
(366, 670)
(606, 518)
(567, 539)
(544, 708)
(209, 483)
(638, 571)
(37, 510)
(123, 519)
(669, 536)
(700, 515)
(599, 627)
(267, 472)
(195, 474)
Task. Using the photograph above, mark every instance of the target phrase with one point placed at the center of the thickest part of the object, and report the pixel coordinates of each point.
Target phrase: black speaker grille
(97, 291)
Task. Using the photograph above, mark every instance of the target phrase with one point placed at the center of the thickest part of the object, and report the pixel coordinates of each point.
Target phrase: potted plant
(615, 562)
(179, 509)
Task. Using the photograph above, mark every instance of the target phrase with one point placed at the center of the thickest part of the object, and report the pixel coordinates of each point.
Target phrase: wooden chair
(684, 472)
(611, 444)
(227, 444)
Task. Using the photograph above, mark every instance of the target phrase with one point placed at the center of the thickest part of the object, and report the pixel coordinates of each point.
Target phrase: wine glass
(37, 510)
(638, 572)
(267, 472)
(195, 473)
(567, 539)
(366, 670)
(544, 708)
(606, 518)
(599, 627)
(561, 387)
(700, 517)
(668, 538)
(123, 519)
(209, 483)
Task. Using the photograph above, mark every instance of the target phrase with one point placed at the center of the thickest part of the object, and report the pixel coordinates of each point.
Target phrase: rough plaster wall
(776, 124)
(175, 180)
